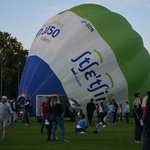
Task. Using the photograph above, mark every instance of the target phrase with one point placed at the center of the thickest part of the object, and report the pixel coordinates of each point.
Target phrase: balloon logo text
(96, 86)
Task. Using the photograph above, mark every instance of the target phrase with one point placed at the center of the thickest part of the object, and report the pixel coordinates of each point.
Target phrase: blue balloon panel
(38, 78)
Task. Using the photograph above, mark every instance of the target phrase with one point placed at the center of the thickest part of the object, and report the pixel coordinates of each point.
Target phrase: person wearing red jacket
(43, 113)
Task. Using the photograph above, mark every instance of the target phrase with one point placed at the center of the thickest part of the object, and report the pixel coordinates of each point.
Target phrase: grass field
(113, 137)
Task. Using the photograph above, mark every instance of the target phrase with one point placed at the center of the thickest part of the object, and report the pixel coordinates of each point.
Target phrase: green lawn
(117, 137)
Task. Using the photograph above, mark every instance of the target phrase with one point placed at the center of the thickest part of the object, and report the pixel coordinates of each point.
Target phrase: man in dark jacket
(27, 106)
(90, 107)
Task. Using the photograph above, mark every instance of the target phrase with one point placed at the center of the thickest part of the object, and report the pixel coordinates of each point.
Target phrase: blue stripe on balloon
(38, 78)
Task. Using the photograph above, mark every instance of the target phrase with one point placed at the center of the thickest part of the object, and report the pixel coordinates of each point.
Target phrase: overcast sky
(22, 19)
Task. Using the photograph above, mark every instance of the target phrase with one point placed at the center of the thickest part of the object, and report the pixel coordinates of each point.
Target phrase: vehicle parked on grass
(70, 105)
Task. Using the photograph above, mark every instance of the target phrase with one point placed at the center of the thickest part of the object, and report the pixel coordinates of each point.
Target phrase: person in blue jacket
(82, 125)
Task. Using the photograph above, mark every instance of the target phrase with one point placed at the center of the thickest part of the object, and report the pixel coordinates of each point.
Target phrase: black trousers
(138, 132)
(146, 139)
(101, 116)
(127, 117)
(90, 116)
(49, 129)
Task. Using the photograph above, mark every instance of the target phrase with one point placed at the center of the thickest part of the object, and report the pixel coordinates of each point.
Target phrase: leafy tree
(12, 60)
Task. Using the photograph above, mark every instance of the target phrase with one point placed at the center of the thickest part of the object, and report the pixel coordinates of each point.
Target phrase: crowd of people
(112, 110)
(116, 113)
(111, 113)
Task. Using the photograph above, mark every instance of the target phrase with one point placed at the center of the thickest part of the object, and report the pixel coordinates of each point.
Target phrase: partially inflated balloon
(86, 52)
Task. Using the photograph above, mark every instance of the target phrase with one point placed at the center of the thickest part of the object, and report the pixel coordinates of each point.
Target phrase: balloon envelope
(86, 52)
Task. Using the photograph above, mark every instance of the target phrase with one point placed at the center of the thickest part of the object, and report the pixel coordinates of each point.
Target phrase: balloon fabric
(86, 52)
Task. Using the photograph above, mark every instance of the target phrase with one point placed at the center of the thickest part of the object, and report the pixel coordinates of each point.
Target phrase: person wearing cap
(5, 112)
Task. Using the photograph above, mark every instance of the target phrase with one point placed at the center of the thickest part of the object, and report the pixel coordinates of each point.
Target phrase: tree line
(12, 61)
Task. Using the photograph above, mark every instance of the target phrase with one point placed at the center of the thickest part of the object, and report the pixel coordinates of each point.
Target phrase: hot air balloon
(86, 52)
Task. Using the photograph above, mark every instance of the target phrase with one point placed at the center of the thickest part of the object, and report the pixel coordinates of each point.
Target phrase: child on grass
(99, 126)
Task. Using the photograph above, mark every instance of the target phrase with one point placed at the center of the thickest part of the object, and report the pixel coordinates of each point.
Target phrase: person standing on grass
(106, 111)
(49, 112)
(146, 137)
(90, 108)
(119, 113)
(27, 106)
(14, 109)
(144, 100)
(5, 113)
(111, 111)
(137, 114)
(58, 112)
(43, 113)
(116, 109)
(127, 111)
(101, 112)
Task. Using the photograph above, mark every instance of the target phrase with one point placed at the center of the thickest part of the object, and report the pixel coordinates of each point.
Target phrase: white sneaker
(65, 141)
(104, 126)
(83, 132)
